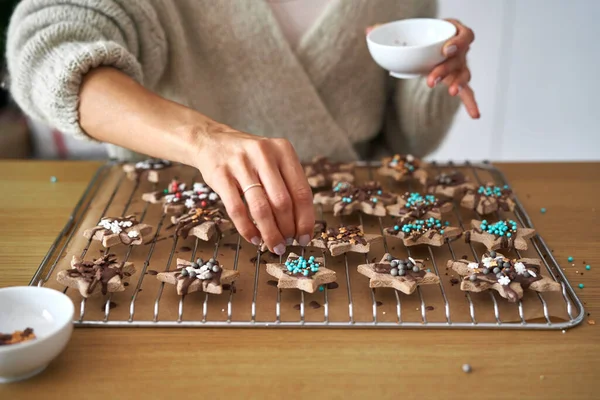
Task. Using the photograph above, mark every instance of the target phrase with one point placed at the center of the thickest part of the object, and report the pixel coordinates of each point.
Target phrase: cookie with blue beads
(402, 167)
(428, 231)
(504, 234)
(305, 274)
(489, 198)
(419, 206)
(404, 275)
(322, 172)
(509, 277)
(345, 199)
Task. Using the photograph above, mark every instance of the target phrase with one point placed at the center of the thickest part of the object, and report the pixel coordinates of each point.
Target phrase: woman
(195, 80)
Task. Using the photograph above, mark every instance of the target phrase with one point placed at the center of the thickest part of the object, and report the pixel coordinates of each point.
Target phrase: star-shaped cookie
(202, 223)
(300, 273)
(509, 277)
(115, 230)
(504, 234)
(342, 239)
(369, 198)
(403, 167)
(452, 185)
(402, 275)
(103, 275)
(429, 231)
(489, 198)
(177, 199)
(321, 172)
(416, 205)
(150, 167)
(198, 276)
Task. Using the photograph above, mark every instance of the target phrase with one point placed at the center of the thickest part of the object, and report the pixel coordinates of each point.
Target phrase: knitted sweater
(230, 61)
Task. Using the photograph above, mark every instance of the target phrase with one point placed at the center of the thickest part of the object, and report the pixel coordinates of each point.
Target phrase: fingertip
(450, 49)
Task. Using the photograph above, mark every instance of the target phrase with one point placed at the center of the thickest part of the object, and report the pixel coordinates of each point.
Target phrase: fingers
(259, 206)
(468, 98)
(461, 79)
(461, 41)
(445, 69)
(300, 191)
(223, 184)
(368, 29)
(279, 198)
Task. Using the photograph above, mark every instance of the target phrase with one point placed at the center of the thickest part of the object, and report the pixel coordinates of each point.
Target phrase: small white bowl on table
(49, 313)
(410, 48)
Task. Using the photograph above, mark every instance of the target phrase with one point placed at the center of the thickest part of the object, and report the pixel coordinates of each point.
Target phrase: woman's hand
(281, 206)
(454, 72)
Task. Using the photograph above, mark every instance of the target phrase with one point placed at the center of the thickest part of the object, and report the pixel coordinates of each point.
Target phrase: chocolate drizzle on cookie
(206, 272)
(196, 217)
(417, 206)
(370, 193)
(151, 164)
(413, 228)
(406, 269)
(495, 268)
(506, 230)
(454, 178)
(343, 234)
(323, 168)
(489, 193)
(406, 164)
(300, 267)
(99, 271)
(200, 196)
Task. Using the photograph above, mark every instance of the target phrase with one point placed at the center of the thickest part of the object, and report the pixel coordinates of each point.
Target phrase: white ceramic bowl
(410, 48)
(49, 313)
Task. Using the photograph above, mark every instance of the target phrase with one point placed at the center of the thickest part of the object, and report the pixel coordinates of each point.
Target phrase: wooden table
(142, 363)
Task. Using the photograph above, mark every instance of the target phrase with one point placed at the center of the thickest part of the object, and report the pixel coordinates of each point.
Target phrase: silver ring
(250, 187)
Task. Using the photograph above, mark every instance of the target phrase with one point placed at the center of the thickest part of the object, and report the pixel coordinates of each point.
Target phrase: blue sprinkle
(321, 288)
(53, 179)
(441, 231)
(570, 259)
(581, 286)
(543, 210)
(588, 267)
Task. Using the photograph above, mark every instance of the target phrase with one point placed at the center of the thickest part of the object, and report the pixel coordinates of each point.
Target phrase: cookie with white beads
(198, 276)
(112, 231)
(178, 198)
(151, 168)
(509, 277)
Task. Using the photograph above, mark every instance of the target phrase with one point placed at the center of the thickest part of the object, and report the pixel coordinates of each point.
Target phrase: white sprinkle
(412, 260)
(532, 273)
(563, 331)
(504, 280)
(133, 234)
(115, 228)
(473, 265)
(466, 368)
(213, 196)
(126, 224)
(410, 158)
(222, 310)
(181, 187)
(105, 223)
(189, 203)
(487, 261)
(202, 196)
(520, 268)
(384, 313)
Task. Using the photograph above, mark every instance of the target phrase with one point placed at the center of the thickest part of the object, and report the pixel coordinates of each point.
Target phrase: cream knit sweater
(229, 60)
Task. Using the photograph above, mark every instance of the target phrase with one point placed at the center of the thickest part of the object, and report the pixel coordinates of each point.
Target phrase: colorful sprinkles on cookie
(177, 198)
(489, 198)
(302, 267)
(201, 222)
(200, 275)
(149, 167)
(501, 228)
(431, 231)
(416, 205)
(342, 239)
(504, 234)
(401, 167)
(322, 172)
(345, 198)
(450, 184)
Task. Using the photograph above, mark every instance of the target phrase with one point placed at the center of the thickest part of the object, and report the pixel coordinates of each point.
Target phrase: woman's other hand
(454, 72)
(233, 161)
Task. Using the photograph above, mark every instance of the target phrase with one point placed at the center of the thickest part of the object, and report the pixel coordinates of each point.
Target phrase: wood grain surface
(231, 363)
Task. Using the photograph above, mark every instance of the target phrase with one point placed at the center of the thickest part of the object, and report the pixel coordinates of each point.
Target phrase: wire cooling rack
(255, 301)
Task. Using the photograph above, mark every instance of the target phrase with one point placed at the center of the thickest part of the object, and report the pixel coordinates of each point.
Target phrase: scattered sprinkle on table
(581, 286)
(466, 368)
(53, 179)
(570, 259)
(591, 322)
(588, 267)
(543, 210)
(564, 331)
(542, 377)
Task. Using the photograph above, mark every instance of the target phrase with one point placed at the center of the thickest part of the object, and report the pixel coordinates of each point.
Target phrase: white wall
(535, 73)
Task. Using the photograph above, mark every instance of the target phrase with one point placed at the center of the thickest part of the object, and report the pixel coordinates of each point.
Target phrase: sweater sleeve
(423, 115)
(52, 44)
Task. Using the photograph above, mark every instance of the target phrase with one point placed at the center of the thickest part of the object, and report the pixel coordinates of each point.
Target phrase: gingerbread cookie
(452, 185)
(504, 234)
(431, 231)
(112, 231)
(342, 239)
(198, 276)
(321, 172)
(202, 223)
(403, 167)
(345, 198)
(415, 205)
(104, 275)
(177, 199)
(488, 199)
(402, 275)
(149, 167)
(16, 337)
(509, 277)
(301, 273)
